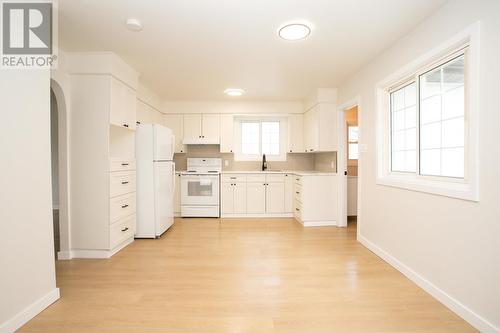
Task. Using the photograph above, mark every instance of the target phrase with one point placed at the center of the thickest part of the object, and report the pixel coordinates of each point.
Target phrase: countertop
(298, 173)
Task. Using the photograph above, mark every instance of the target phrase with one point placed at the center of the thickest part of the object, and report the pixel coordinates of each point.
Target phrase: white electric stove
(200, 192)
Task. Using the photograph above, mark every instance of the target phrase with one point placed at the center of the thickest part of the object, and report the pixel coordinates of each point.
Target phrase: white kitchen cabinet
(226, 133)
(123, 104)
(233, 195)
(227, 198)
(210, 128)
(201, 129)
(275, 198)
(288, 193)
(296, 133)
(192, 128)
(177, 194)
(176, 123)
(321, 128)
(316, 200)
(143, 113)
(256, 198)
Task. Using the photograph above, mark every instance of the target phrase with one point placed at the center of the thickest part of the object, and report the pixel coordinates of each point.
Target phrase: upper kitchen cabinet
(320, 122)
(176, 123)
(201, 129)
(122, 105)
(226, 133)
(296, 133)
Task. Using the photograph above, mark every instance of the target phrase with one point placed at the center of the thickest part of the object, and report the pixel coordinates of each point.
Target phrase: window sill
(451, 189)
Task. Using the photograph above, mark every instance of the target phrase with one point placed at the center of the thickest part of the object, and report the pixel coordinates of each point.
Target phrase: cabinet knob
(125, 125)
(138, 122)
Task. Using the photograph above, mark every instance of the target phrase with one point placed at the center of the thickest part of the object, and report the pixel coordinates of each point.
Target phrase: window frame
(462, 188)
(239, 156)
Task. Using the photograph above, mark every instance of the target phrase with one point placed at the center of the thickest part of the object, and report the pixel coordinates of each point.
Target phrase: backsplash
(296, 162)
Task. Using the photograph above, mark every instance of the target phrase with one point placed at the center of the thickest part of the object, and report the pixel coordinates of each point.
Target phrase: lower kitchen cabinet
(275, 198)
(315, 200)
(256, 198)
(177, 194)
(233, 198)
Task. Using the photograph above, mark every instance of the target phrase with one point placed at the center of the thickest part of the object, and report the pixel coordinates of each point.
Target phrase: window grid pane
(270, 137)
(442, 120)
(250, 132)
(404, 129)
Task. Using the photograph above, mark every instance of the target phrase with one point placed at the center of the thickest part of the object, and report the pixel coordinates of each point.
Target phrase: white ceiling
(195, 49)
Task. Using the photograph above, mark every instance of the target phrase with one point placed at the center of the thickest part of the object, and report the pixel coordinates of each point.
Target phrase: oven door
(202, 190)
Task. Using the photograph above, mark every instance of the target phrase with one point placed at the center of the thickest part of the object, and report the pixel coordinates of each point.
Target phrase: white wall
(27, 274)
(240, 107)
(451, 243)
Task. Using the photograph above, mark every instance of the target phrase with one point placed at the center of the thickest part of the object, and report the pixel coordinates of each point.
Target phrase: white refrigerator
(155, 180)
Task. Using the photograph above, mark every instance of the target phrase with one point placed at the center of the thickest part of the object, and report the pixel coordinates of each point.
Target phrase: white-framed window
(427, 122)
(352, 142)
(255, 136)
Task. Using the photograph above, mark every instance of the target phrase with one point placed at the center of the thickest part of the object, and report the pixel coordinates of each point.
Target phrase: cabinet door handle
(233, 177)
(125, 164)
(124, 206)
(138, 122)
(297, 192)
(297, 209)
(124, 183)
(123, 230)
(125, 125)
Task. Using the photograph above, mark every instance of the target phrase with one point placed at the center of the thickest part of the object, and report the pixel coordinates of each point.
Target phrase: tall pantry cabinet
(103, 121)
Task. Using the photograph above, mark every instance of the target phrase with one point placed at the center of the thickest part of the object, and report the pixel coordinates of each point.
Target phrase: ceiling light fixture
(294, 31)
(234, 92)
(134, 24)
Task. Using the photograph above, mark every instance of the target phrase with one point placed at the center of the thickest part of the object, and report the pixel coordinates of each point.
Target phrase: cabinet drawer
(121, 231)
(121, 182)
(121, 206)
(275, 178)
(233, 178)
(297, 193)
(297, 210)
(256, 178)
(121, 165)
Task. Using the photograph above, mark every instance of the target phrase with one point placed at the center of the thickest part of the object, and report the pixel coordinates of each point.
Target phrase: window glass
(270, 137)
(404, 129)
(442, 120)
(250, 140)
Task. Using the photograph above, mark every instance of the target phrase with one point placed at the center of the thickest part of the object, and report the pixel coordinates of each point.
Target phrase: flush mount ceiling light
(234, 92)
(294, 31)
(134, 24)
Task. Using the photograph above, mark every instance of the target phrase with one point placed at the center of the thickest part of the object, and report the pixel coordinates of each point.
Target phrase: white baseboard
(99, 254)
(255, 216)
(454, 305)
(30, 312)
(318, 223)
(64, 255)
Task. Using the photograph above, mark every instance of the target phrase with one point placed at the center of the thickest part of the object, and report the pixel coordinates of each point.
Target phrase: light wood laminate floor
(207, 275)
